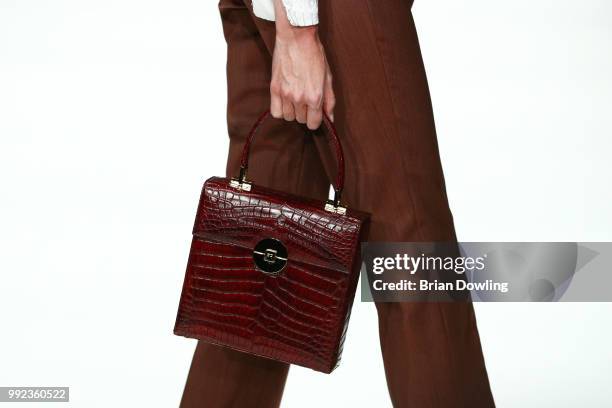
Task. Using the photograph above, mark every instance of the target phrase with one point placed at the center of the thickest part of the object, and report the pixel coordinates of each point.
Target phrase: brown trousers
(431, 351)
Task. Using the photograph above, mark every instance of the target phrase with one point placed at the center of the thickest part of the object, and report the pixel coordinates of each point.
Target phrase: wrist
(303, 35)
(285, 31)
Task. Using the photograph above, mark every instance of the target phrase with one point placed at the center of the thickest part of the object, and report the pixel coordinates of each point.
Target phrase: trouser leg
(431, 351)
(223, 378)
(283, 157)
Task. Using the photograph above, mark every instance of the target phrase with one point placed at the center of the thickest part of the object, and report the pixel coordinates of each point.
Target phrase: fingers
(276, 104)
(305, 107)
(301, 113)
(281, 105)
(288, 111)
(315, 117)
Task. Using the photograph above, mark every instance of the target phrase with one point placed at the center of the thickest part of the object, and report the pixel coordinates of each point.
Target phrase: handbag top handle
(333, 135)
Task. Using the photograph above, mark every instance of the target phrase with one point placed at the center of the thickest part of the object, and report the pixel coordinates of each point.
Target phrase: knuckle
(275, 88)
(285, 92)
(297, 97)
(314, 99)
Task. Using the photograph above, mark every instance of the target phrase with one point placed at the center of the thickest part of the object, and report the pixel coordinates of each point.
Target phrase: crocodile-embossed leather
(299, 315)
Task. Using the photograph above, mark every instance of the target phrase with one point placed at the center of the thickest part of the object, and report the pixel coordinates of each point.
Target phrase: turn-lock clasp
(270, 256)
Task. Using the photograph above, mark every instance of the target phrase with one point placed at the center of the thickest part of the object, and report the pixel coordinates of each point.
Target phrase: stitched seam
(386, 78)
(447, 337)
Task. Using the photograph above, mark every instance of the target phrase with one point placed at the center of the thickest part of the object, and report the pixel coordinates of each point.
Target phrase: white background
(112, 115)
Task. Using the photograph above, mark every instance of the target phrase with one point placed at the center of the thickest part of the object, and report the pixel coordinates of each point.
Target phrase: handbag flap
(312, 235)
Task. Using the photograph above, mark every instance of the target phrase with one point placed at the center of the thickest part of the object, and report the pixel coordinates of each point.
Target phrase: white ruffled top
(300, 12)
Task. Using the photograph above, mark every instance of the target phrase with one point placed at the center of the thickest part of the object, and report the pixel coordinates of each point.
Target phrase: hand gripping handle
(333, 135)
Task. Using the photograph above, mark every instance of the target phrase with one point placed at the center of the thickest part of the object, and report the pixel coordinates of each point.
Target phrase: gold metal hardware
(336, 209)
(240, 185)
(270, 255)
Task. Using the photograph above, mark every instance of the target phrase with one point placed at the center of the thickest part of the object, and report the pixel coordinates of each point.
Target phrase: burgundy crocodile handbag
(270, 273)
